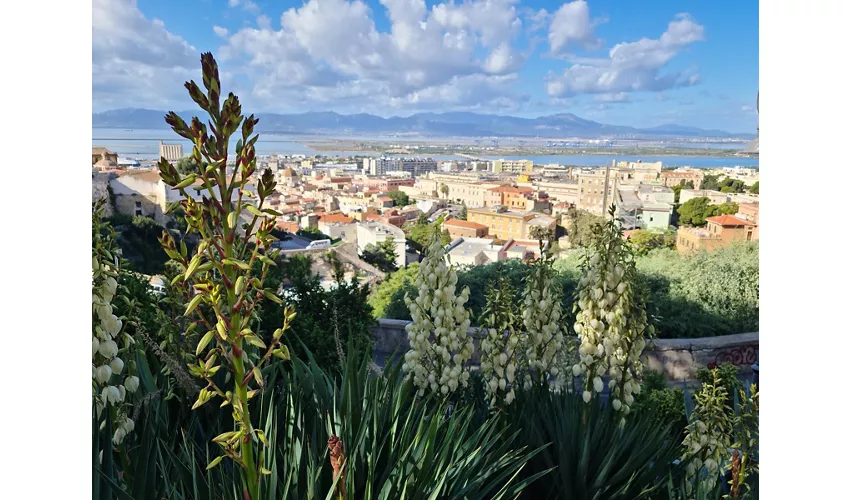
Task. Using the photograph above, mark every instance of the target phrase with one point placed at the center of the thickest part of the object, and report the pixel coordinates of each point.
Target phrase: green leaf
(193, 304)
(215, 462)
(203, 342)
(238, 263)
(258, 375)
(255, 341)
(272, 297)
(254, 211)
(193, 265)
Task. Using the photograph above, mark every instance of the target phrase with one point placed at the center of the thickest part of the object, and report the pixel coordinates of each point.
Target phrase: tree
(693, 212)
(711, 182)
(754, 189)
(383, 255)
(643, 241)
(729, 208)
(444, 189)
(138, 241)
(581, 226)
(678, 189)
(187, 165)
(422, 219)
(400, 198)
(463, 214)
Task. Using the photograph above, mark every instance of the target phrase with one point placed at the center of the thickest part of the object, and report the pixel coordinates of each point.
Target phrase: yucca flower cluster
(543, 340)
(611, 321)
(107, 367)
(708, 435)
(439, 344)
(500, 342)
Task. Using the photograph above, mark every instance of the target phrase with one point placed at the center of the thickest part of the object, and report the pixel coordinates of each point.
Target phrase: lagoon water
(144, 145)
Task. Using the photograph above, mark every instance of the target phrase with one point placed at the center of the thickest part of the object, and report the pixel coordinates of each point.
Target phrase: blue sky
(620, 62)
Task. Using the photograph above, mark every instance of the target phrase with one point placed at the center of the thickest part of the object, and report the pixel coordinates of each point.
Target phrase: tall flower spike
(439, 344)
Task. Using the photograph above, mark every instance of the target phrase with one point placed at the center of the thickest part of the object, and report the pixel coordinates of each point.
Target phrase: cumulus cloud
(632, 66)
(245, 4)
(136, 59)
(332, 49)
(571, 24)
(617, 97)
(219, 31)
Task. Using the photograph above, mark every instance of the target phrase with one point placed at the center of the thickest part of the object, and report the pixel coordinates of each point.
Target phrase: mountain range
(456, 124)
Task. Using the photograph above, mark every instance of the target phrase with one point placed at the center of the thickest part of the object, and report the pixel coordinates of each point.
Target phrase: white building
(474, 251)
(171, 152)
(413, 166)
(376, 233)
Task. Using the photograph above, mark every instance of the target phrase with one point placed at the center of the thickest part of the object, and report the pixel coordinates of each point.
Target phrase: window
(138, 204)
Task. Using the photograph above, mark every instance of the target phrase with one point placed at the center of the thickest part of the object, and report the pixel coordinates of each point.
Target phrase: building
(376, 233)
(680, 177)
(565, 191)
(99, 153)
(715, 197)
(413, 166)
(171, 152)
(288, 177)
(515, 198)
(474, 251)
(143, 193)
(506, 224)
(593, 195)
(720, 231)
(750, 212)
(523, 249)
(513, 166)
(465, 229)
(336, 226)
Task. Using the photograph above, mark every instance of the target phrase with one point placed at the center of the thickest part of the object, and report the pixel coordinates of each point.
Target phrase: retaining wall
(678, 359)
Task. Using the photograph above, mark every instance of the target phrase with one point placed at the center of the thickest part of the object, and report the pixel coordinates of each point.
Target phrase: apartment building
(594, 194)
(459, 190)
(513, 166)
(562, 191)
(515, 198)
(413, 166)
(720, 231)
(506, 224)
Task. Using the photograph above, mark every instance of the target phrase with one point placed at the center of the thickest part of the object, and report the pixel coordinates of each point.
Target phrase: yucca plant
(592, 454)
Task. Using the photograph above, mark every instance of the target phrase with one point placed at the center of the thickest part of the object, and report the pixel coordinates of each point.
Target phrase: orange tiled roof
(335, 219)
(729, 220)
(464, 223)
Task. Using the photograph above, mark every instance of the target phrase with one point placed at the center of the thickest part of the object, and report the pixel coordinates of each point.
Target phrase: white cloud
(632, 66)
(571, 24)
(245, 4)
(136, 61)
(617, 97)
(219, 31)
(331, 49)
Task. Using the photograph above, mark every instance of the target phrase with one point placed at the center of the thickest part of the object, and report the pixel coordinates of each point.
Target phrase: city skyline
(639, 65)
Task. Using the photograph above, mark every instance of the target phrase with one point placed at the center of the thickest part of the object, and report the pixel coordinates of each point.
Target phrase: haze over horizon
(626, 64)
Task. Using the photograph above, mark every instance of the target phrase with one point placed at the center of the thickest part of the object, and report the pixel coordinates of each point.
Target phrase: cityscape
(465, 249)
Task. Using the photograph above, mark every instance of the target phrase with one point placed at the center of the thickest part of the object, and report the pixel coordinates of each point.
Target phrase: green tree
(678, 189)
(187, 165)
(582, 226)
(383, 255)
(730, 207)
(444, 189)
(711, 182)
(139, 242)
(693, 212)
(400, 198)
(463, 214)
(643, 241)
(754, 189)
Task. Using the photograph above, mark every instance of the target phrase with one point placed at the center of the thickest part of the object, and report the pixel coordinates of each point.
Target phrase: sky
(619, 62)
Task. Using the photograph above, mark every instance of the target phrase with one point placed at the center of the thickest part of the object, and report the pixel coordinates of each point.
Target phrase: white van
(319, 244)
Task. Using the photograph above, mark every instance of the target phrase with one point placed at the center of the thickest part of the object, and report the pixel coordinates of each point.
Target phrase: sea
(143, 145)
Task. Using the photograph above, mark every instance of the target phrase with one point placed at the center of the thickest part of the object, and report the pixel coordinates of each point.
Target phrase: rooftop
(729, 221)
(335, 219)
(470, 247)
(463, 223)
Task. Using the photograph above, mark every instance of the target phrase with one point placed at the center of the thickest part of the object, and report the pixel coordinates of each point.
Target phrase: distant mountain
(460, 124)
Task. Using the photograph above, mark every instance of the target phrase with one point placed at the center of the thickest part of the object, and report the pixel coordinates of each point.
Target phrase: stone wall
(678, 359)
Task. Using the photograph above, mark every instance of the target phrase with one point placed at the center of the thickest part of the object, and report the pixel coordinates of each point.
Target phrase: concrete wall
(678, 359)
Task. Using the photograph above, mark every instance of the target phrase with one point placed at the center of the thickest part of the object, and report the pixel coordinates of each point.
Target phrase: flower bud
(117, 364)
(118, 436)
(95, 345)
(103, 373)
(616, 404)
(597, 384)
(586, 396)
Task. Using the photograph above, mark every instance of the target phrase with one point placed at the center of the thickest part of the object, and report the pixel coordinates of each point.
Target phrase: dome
(105, 164)
(288, 172)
